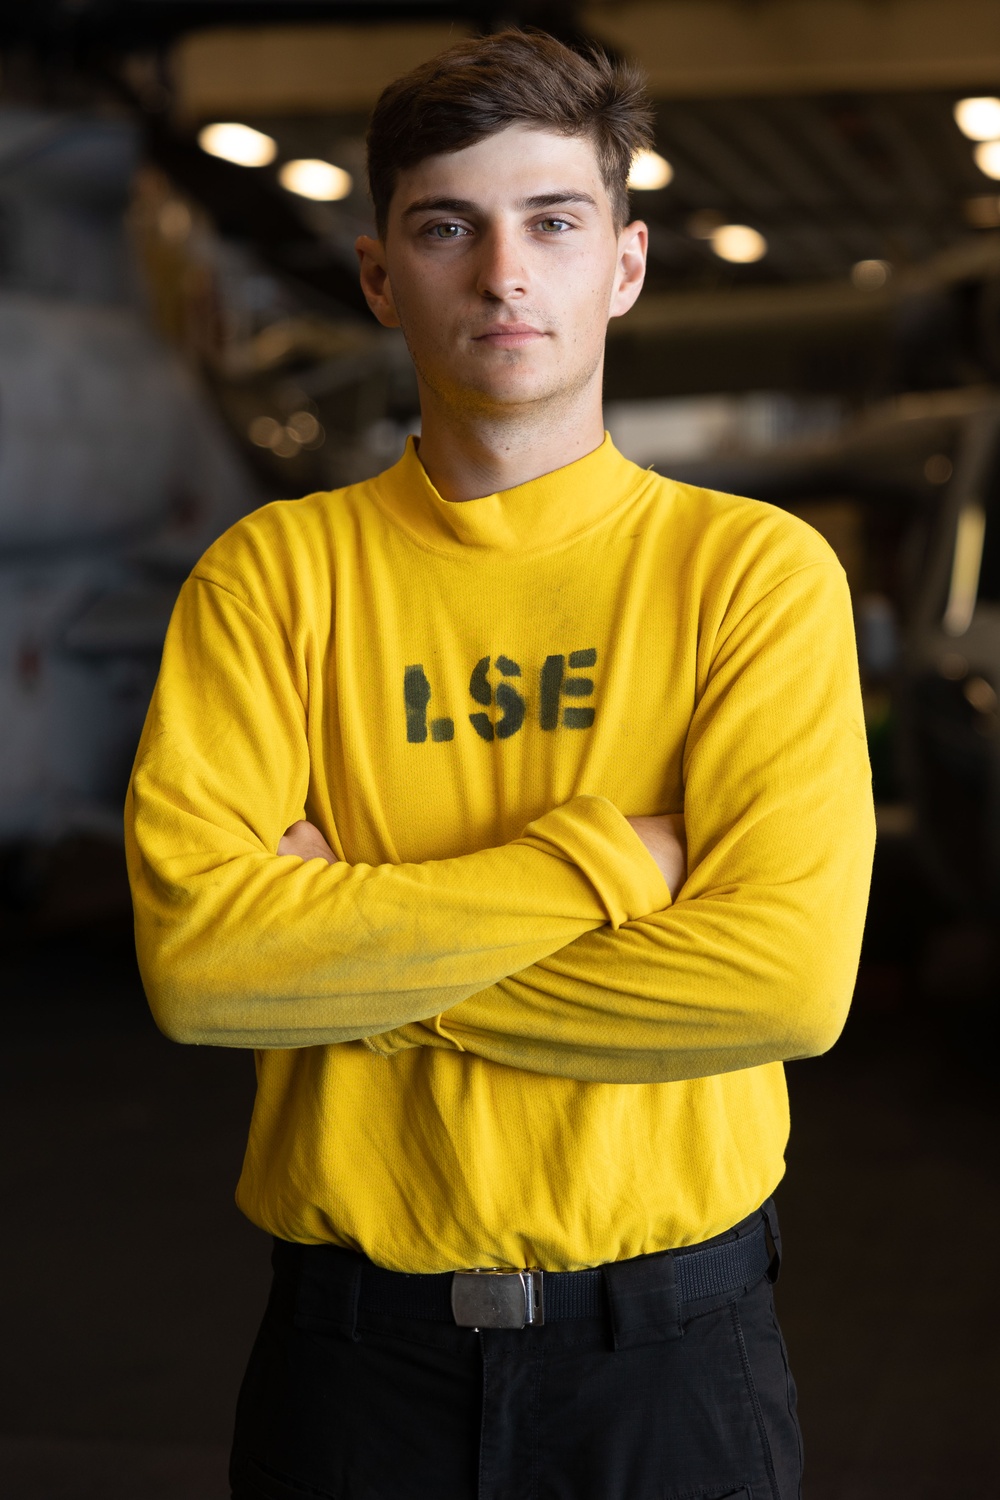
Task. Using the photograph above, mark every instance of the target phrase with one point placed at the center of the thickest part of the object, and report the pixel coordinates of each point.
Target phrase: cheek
(589, 311)
(418, 314)
(592, 291)
(414, 290)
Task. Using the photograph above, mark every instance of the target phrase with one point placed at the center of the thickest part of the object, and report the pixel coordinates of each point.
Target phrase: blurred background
(182, 339)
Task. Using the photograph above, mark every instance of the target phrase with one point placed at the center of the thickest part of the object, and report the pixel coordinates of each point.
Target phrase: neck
(469, 454)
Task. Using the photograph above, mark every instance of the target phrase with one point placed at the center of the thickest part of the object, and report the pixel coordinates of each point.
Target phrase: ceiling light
(988, 159)
(304, 426)
(870, 275)
(238, 143)
(312, 178)
(979, 119)
(649, 171)
(264, 431)
(738, 243)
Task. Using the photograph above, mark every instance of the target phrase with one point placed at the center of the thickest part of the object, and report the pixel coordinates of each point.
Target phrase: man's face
(502, 265)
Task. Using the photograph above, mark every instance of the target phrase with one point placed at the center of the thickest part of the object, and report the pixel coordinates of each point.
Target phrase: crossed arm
(663, 837)
(662, 834)
(561, 952)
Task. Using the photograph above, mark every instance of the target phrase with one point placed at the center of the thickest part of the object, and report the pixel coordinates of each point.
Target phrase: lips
(509, 335)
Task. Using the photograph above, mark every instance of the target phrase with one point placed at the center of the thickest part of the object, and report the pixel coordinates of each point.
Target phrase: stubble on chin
(501, 390)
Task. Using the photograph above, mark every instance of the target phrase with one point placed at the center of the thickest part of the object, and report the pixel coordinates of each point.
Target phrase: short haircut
(485, 84)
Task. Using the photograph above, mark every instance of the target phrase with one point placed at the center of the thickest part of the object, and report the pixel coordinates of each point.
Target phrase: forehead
(503, 169)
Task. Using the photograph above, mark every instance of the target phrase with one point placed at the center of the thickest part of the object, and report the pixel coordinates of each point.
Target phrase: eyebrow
(468, 207)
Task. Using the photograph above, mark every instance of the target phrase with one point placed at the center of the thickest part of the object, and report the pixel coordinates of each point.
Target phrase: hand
(663, 836)
(305, 840)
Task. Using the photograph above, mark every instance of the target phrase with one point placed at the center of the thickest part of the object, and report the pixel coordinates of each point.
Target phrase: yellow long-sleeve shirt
(488, 1037)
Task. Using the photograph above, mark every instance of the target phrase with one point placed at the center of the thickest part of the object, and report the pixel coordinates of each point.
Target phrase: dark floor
(133, 1286)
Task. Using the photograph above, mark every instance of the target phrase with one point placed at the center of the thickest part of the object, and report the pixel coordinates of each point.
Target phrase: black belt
(514, 1299)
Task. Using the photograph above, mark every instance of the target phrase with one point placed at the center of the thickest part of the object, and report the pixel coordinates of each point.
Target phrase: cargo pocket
(771, 1391)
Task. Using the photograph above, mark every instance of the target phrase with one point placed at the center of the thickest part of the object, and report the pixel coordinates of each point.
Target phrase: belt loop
(643, 1300)
(773, 1238)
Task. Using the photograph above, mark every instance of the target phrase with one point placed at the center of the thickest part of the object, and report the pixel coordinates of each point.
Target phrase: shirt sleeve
(242, 947)
(756, 960)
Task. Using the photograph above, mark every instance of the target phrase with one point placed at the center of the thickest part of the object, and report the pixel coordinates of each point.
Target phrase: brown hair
(484, 84)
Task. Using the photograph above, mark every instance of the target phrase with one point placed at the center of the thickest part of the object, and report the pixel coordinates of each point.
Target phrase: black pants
(344, 1404)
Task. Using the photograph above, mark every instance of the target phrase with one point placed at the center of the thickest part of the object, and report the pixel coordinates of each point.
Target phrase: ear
(375, 280)
(633, 243)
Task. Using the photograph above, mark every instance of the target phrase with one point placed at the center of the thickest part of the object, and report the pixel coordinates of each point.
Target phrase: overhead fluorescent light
(312, 178)
(987, 156)
(738, 243)
(870, 275)
(649, 171)
(979, 119)
(238, 143)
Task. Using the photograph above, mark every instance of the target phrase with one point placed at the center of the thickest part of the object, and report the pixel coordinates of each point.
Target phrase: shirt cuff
(596, 837)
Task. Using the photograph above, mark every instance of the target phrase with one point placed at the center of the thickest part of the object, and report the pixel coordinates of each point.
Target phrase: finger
(298, 837)
(305, 841)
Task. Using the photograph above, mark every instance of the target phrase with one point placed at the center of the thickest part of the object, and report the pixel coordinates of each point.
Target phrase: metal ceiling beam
(331, 69)
(295, 70)
(689, 49)
(708, 48)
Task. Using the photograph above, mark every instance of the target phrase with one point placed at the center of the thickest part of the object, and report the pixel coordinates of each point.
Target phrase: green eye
(446, 231)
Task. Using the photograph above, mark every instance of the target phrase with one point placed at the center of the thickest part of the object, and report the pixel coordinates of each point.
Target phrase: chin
(520, 392)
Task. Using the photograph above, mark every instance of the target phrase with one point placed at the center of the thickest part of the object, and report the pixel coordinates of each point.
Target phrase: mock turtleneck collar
(544, 513)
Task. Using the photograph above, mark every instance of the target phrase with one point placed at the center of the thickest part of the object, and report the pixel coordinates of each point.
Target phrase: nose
(502, 272)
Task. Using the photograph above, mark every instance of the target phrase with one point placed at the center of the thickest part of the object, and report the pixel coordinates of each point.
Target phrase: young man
(408, 818)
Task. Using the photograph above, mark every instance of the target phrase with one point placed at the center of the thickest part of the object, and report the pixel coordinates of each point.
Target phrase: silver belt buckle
(497, 1299)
